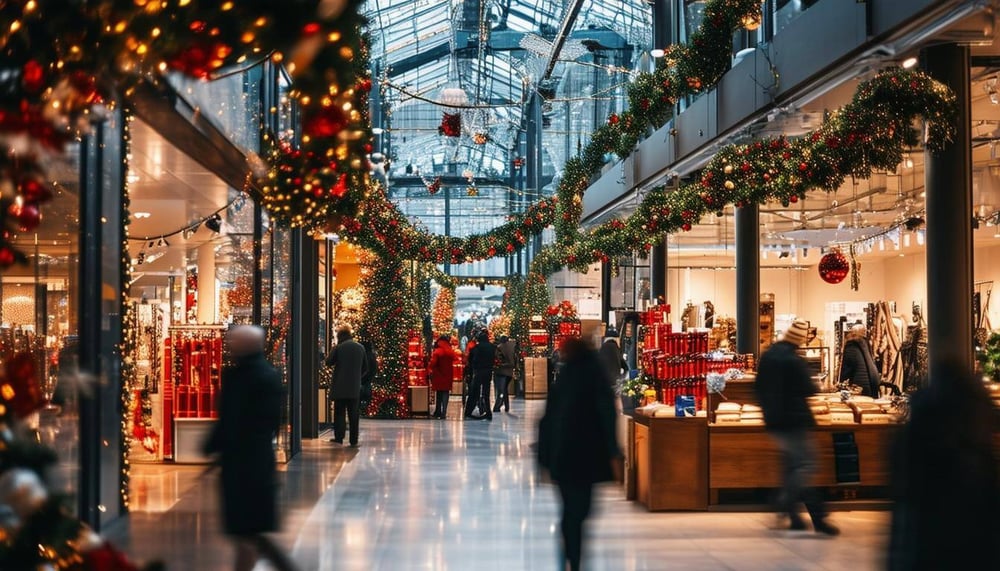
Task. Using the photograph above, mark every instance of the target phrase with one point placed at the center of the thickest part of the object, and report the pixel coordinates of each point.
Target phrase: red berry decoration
(613, 119)
(33, 76)
(834, 267)
(686, 227)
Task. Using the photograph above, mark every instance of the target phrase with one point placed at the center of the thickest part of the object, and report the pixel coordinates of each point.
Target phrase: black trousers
(576, 502)
(345, 408)
(441, 403)
(479, 392)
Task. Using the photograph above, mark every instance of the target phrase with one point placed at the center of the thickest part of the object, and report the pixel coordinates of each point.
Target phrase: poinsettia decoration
(451, 125)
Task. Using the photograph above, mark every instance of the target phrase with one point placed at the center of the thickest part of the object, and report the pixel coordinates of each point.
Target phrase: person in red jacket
(441, 370)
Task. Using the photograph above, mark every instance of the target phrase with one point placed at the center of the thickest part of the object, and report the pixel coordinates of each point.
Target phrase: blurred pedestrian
(857, 365)
(577, 444)
(350, 364)
(481, 360)
(783, 386)
(243, 439)
(442, 368)
(944, 478)
(504, 373)
(611, 357)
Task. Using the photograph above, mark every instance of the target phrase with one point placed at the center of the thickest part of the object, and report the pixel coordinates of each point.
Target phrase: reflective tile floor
(453, 495)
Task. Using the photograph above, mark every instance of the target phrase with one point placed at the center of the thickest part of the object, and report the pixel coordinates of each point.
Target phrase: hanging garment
(886, 344)
(914, 355)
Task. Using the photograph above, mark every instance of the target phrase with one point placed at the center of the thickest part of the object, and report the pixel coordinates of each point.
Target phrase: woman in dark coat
(442, 369)
(577, 444)
(858, 366)
(614, 362)
(944, 478)
(249, 416)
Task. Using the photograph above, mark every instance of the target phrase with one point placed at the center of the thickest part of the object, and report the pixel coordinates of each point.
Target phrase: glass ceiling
(495, 52)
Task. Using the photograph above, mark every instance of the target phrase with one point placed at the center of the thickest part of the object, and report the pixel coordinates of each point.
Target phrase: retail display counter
(684, 463)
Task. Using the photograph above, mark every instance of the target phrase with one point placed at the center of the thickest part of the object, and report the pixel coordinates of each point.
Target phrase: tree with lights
(443, 314)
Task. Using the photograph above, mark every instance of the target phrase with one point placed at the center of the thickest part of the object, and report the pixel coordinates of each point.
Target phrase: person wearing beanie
(783, 387)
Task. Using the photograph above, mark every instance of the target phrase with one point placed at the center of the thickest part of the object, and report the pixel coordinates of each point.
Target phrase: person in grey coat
(503, 374)
(350, 364)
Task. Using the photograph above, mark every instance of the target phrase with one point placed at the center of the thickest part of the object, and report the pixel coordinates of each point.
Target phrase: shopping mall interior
(496, 210)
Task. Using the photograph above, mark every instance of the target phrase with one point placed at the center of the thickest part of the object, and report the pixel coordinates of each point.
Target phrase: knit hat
(797, 332)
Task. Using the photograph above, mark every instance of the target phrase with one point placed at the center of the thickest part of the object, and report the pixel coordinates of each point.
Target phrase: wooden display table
(671, 462)
(742, 457)
(683, 463)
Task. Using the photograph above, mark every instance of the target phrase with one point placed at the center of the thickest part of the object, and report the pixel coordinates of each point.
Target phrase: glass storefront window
(786, 11)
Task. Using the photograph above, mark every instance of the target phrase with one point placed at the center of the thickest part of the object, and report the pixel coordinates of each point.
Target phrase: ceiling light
(909, 62)
(377, 130)
(657, 52)
(132, 178)
(141, 215)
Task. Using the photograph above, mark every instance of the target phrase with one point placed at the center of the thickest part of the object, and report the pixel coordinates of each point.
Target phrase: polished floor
(454, 495)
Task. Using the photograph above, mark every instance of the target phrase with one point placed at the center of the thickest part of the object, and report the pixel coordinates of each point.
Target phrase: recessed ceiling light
(141, 215)
(657, 52)
(909, 62)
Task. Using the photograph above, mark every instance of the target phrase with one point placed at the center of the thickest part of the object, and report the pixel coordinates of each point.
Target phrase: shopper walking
(504, 373)
(349, 367)
(783, 386)
(857, 365)
(242, 440)
(481, 360)
(577, 444)
(611, 357)
(442, 369)
(944, 478)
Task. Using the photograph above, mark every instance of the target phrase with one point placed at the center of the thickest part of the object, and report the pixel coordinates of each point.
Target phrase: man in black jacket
(350, 364)
(783, 386)
(481, 361)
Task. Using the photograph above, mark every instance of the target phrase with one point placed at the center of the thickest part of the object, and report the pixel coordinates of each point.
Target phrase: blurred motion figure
(249, 417)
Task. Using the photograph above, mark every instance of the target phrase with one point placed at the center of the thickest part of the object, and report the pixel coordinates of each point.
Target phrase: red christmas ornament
(686, 227)
(20, 389)
(834, 267)
(33, 76)
(28, 216)
(340, 189)
(34, 191)
(7, 257)
(324, 122)
(451, 125)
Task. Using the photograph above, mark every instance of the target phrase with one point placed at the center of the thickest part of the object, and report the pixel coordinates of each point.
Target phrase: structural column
(949, 221)
(658, 272)
(748, 280)
(208, 296)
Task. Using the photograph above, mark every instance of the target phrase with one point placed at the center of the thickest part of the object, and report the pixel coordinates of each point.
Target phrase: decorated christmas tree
(443, 314)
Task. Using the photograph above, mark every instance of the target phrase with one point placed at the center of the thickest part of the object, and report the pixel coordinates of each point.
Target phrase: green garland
(872, 132)
(684, 70)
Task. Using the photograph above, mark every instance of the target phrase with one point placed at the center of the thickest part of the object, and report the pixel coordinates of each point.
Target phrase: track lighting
(214, 223)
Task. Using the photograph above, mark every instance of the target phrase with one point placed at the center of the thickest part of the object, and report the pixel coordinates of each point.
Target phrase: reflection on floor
(453, 495)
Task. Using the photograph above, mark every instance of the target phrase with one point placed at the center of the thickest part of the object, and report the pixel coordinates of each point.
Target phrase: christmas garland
(683, 71)
(872, 132)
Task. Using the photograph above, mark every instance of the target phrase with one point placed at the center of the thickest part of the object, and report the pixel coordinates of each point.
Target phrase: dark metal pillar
(605, 292)
(90, 316)
(304, 361)
(949, 221)
(658, 272)
(748, 280)
(533, 164)
(663, 22)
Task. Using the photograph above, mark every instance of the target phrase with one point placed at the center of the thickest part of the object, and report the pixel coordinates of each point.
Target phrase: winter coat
(576, 436)
(250, 409)
(482, 356)
(349, 366)
(859, 368)
(442, 366)
(505, 359)
(783, 385)
(611, 357)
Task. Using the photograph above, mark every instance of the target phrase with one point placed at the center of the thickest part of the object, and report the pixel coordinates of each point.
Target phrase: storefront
(153, 246)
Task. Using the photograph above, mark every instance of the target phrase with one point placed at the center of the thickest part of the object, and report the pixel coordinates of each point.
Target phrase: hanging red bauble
(324, 122)
(34, 191)
(7, 257)
(451, 125)
(834, 267)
